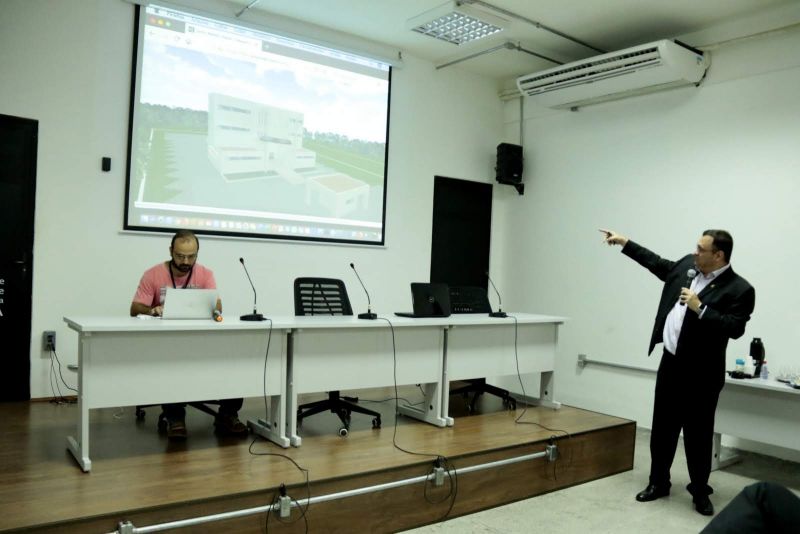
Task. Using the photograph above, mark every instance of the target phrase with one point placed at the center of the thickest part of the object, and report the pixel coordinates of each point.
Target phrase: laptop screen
(430, 300)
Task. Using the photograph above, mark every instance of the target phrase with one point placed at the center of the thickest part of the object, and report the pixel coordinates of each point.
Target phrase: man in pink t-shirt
(180, 272)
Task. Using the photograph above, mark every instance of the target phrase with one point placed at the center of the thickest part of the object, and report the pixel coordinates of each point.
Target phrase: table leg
(291, 394)
(717, 461)
(80, 447)
(273, 425)
(431, 412)
(274, 428)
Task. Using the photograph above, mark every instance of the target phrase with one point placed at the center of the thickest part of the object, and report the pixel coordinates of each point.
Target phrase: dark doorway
(462, 226)
(18, 144)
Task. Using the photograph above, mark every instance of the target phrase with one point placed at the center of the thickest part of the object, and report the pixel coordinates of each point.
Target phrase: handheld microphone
(368, 314)
(255, 316)
(690, 274)
(499, 313)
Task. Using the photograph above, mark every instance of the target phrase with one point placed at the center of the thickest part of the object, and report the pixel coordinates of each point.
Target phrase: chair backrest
(321, 296)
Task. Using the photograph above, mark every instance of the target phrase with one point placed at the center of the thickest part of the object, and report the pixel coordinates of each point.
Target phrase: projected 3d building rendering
(248, 141)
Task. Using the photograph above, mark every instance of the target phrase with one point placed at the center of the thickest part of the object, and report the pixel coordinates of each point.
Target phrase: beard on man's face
(184, 268)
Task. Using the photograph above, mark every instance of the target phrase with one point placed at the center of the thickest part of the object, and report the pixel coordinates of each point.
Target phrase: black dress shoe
(703, 505)
(651, 493)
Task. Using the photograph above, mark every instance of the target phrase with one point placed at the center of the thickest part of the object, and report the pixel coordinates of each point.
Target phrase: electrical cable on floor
(302, 470)
(264, 376)
(518, 420)
(441, 460)
(407, 402)
(453, 478)
(60, 398)
(55, 399)
(276, 501)
(61, 374)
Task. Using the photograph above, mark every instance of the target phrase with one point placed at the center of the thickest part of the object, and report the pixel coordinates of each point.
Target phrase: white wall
(68, 65)
(661, 169)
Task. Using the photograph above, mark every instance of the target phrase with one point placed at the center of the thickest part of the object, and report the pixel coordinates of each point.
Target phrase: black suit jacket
(729, 301)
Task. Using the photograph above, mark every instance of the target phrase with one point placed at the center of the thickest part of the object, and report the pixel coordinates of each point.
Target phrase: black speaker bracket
(520, 187)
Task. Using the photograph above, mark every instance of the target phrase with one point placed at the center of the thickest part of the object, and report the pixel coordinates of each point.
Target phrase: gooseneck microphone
(255, 316)
(368, 314)
(690, 274)
(499, 313)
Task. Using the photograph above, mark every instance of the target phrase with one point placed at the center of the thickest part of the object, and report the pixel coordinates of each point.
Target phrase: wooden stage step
(140, 477)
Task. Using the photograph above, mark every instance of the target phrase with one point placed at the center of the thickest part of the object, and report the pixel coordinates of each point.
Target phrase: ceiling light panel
(456, 23)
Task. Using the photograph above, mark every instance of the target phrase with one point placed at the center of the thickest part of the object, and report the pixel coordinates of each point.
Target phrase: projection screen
(236, 131)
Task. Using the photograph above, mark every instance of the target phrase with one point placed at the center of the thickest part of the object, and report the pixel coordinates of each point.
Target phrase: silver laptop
(189, 303)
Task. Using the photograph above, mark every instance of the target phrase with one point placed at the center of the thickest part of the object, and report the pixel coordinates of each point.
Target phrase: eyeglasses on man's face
(184, 257)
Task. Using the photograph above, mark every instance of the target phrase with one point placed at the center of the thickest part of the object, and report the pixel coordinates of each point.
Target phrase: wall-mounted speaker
(509, 165)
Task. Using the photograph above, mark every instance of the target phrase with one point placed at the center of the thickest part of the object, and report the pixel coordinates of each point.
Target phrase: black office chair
(469, 299)
(328, 296)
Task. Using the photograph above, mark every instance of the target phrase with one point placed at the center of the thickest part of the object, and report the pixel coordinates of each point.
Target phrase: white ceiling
(605, 24)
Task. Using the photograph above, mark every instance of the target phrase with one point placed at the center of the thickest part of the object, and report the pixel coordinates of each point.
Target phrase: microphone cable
(264, 376)
(518, 419)
(440, 460)
(276, 502)
(304, 471)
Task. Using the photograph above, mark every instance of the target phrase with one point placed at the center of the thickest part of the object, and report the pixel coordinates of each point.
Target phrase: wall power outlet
(49, 340)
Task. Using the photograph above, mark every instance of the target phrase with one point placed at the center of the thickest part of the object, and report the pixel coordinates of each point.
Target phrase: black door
(18, 142)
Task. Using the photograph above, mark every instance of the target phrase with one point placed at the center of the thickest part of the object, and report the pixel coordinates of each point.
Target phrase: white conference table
(766, 411)
(127, 361)
(344, 352)
(124, 361)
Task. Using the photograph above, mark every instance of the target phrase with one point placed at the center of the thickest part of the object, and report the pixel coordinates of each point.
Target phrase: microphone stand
(499, 314)
(255, 316)
(368, 314)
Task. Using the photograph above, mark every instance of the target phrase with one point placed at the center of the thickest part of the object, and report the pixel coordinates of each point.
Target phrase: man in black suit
(696, 317)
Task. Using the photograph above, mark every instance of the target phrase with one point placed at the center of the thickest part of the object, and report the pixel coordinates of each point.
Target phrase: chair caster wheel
(343, 431)
(376, 422)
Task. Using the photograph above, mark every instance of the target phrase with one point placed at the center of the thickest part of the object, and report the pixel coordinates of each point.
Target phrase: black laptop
(429, 300)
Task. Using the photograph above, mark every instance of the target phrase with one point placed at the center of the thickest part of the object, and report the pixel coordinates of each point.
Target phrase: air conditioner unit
(633, 71)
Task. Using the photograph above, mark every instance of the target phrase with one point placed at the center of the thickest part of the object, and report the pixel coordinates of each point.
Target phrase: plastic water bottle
(764, 371)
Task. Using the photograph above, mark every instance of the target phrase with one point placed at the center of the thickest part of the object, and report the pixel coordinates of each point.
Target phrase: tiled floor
(608, 505)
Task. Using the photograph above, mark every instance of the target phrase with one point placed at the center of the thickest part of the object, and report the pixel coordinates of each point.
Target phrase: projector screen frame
(341, 231)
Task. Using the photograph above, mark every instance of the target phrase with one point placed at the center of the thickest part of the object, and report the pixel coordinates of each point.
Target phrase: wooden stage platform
(138, 476)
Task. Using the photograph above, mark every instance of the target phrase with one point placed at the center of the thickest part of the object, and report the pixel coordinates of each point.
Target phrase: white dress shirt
(672, 328)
